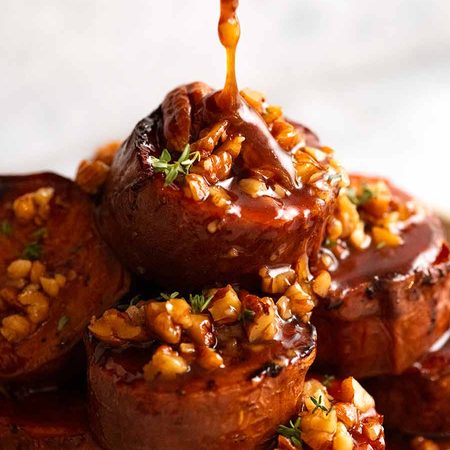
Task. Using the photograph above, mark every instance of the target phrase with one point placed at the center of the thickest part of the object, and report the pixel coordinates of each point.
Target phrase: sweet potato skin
(72, 243)
(387, 306)
(232, 408)
(418, 400)
(50, 421)
(163, 236)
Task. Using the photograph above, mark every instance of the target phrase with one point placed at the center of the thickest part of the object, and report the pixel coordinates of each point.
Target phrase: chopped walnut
(166, 363)
(214, 168)
(225, 306)
(209, 359)
(34, 205)
(276, 280)
(262, 326)
(196, 187)
(15, 328)
(91, 175)
(209, 139)
(201, 331)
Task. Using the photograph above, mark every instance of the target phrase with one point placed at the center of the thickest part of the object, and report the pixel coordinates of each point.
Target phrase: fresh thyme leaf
(40, 233)
(5, 228)
(327, 379)
(292, 432)
(199, 302)
(247, 315)
(169, 296)
(62, 322)
(170, 169)
(32, 251)
(319, 405)
(366, 195)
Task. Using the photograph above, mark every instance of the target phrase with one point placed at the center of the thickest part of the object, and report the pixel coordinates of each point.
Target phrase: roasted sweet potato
(388, 305)
(45, 421)
(55, 274)
(236, 407)
(228, 235)
(418, 400)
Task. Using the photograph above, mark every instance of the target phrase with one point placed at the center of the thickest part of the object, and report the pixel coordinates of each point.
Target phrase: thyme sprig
(362, 198)
(292, 432)
(319, 405)
(171, 169)
(199, 302)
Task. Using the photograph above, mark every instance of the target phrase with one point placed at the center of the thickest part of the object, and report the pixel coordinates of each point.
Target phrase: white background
(371, 76)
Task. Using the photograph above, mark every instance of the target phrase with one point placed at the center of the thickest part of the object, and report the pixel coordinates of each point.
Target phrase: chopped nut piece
(232, 146)
(347, 413)
(383, 236)
(253, 187)
(219, 196)
(212, 226)
(254, 98)
(301, 302)
(276, 280)
(359, 238)
(372, 429)
(321, 284)
(115, 327)
(286, 134)
(225, 306)
(42, 199)
(342, 439)
(209, 359)
(91, 175)
(163, 325)
(50, 286)
(187, 348)
(20, 268)
(60, 279)
(284, 307)
(262, 327)
(24, 207)
(165, 363)
(196, 187)
(201, 331)
(214, 168)
(37, 305)
(37, 271)
(209, 139)
(272, 113)
(9, 294)
(180, 311)
(353, 392)
(15, 328)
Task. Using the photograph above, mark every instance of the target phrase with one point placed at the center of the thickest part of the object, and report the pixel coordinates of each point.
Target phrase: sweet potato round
(238, 407)
(418, 400)
(51, 421)
(163, 236)
(387, 306)
(72, 244)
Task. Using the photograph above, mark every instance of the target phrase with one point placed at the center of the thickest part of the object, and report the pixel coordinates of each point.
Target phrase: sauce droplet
(229, 33)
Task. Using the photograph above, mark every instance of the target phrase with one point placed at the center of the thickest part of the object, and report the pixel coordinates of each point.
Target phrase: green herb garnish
(247, 315)
(5, 228)
(62, 322)
(327, 380)
(170, 169)
(330, 243)
(292, 432)
(361, 199)
(199, 302)
(40, 233)
(319, 405)
(32, 251)
(169, 296)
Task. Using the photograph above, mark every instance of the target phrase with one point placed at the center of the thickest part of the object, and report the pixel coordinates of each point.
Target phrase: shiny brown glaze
(162, 235)
(386, 306)
(72, 243)
(418, 400)
(50, 421)
(237, 407)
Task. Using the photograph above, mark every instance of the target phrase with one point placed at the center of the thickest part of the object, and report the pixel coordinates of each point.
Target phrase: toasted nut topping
(24, 208)
(37, 271)
(180, 311)
(232, 146)
(225, 306)
(253, 187)
(196, 187)
(342, 439)
(209, 359)
(353, 392)
(219, 196)
(201, 331)
(284, 307)
(254, 98)
(214, 168)
(91, 175)
(15, 328)
(166, 363)
(321, 284)
(114, 327)
(209, 139)
(300, 301)
(286, 134)
(50, 286)
(262, 327)
(164, 326)
(20, 268)
(276, 280)
(187, 348)
(383, 236)
(372, 429)
(37, 305)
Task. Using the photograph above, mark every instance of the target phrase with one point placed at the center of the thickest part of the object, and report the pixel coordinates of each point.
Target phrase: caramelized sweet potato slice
(418, 400)
(387, 306)
(50, 421)
(55, 273)
(235, 407)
